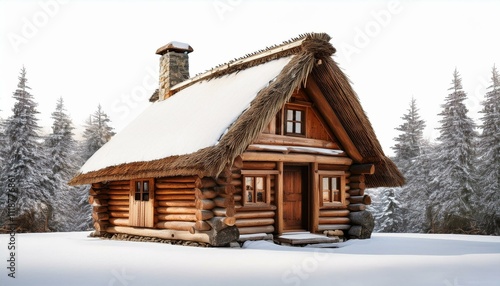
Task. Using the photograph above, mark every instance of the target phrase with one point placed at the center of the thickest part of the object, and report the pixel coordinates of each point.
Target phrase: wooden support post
(279, 199)
(315, 198)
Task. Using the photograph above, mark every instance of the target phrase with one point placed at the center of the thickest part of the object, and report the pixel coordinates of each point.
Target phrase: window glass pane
(260, 183)
(260, 189)
(260, 196)
(137, 191)
(289, 127)
(298, 128)
(336, 196)
(335, 183)
(146, 186)
(326, 196)
(324, 184)
(298, 115)
(249, 188)
(289, 115)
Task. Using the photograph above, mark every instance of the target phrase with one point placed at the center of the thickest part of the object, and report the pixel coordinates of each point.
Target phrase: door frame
(307, 198)
(141, 212)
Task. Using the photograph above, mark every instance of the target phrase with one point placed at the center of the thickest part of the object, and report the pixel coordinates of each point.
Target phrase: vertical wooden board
(149, 209)
(268, 184)
(342, 190)
(316, 127)
(279, 199)
(132, 206)
(315, 198)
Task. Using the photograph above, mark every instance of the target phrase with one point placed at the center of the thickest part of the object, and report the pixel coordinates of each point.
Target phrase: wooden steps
(299, 238)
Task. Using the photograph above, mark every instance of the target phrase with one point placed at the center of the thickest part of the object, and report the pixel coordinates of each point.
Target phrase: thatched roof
(300, 58)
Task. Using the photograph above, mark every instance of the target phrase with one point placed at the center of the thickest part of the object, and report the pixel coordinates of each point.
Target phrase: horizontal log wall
(175, 202)
(110, 204)
(99, 198)
(254, 219)
(118, 204)
(358, 200)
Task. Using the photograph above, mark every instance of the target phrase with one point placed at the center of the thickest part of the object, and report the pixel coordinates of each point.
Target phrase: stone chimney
(174, 66)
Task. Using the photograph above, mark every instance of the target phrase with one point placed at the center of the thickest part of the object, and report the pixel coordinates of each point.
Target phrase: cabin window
(257, 189)
(332, 190)
(141, 190)
(295, 121)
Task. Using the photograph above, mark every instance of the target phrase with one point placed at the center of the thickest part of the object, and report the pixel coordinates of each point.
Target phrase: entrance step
(296, 238)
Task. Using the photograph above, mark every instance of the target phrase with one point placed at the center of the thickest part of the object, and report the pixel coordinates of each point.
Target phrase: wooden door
(295, 194)
(141, 209)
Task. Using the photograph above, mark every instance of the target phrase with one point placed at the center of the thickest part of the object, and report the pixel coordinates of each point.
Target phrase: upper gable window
(295, 121)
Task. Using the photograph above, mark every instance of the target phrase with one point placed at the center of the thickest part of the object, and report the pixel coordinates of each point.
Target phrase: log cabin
(270, 143)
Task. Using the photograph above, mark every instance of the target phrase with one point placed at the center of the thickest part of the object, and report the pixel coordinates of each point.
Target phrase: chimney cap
(175, 47)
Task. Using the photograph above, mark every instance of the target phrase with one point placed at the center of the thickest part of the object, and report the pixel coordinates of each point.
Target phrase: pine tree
(414, 196)
(23, 155)
(61, 159)
(403, 209)
(97, 133)
(390, 219)
(2, 144)
(454, 177)
(410, 139)
(489, 158)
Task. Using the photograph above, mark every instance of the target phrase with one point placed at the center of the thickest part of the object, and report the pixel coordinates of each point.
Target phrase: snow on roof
(190, 120)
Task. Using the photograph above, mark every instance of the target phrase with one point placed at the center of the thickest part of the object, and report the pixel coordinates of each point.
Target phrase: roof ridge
(286, 48)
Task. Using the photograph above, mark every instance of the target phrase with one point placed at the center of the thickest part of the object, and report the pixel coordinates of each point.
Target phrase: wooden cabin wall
(335, 217)
(254, 219)
(118, 203)
(98, 199)
(175, 202)
(358, 199)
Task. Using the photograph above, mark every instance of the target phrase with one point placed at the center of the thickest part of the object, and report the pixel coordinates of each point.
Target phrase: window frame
(140, 184)
(338, 175)
(302, 121)
(266, 175)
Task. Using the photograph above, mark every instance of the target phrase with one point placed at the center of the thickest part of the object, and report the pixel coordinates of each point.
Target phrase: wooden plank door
(141, 209)
(295, 193)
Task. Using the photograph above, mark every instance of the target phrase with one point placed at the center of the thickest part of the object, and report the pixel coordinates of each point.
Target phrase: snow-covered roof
(192, 119)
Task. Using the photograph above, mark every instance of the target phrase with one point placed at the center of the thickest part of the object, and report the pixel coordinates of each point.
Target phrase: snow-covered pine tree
(413, 163)
(2, 144)
(389, 219)
(454, 175)
(489, 159)
(62, 162)
(97, 133)
(21, 167)
(409, 141)
(415, 194)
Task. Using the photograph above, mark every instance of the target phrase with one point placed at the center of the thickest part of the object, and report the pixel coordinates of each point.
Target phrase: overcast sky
(92, 52)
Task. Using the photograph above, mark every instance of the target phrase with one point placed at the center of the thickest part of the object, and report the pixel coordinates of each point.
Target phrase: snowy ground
(386, 259)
